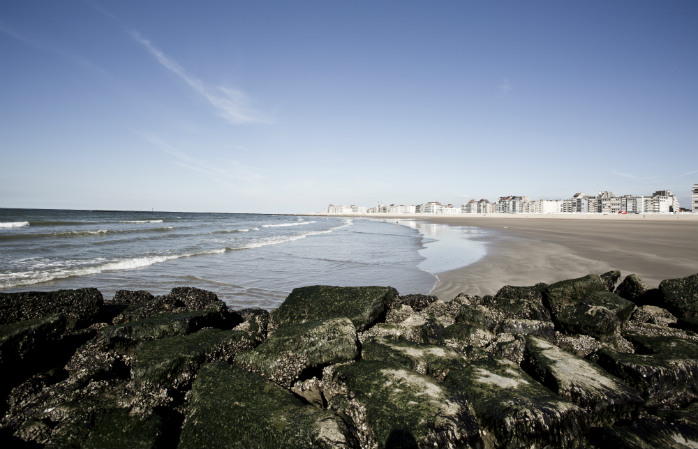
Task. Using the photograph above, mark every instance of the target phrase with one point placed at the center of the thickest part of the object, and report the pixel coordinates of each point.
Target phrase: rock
(296, 348)
(255, 321)
(680, 296)
(515, 410)
(675, 429)
(523, 303)
(129, 297)
(690, 324)
(230, 407)
(173, 362)
(528, 327)
(27, 347)
(466, 337)
(416, 302)
(663, 369)
(387, 406)
(142, 305)
(160, 326)
(631, 288)
(81, 307)
(310, 390)
(566, 293)
(362, 305)
(610, 278)
(579, 345)
(481, 316)
(606, 397)
(600, 314)
(435, 361)
(656, 330)
(652, 315)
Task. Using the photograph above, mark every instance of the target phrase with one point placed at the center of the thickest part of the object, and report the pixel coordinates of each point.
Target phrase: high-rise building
(694, 198)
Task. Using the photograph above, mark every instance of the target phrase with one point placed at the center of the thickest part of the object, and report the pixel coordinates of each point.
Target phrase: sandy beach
(531, 249)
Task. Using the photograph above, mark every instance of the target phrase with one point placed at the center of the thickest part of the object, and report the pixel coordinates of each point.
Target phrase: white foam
(14, 224)
(142, 221)
(283, 225)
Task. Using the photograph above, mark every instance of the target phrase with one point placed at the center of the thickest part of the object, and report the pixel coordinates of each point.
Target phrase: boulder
(653, 315)
(606, 397)
(233, 408)
(435, 361)
(362, 305)
(610, 278)
(561, 294)
(670, 429)
(296, 348)
(81, 307)
(142, 305)
(160, 326)
(467, 338)
(663, 369)
(173, 362)
(523, 303)
(416, 302)
(387, 406)
(680, 296)
(528, 327)
(600, 314)
(254, 321)
(514, 409)
(631, 288)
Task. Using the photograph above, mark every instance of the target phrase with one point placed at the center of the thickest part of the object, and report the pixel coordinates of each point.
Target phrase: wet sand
(528, 250)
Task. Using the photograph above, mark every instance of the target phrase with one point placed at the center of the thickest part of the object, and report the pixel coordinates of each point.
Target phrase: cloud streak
(231, 104)
(504, 87)
(222, 171)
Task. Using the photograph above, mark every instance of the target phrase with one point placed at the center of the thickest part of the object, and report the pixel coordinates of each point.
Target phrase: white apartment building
(694, 199)
(662, 202)
(432, 207)
(547, 207)
(469, 208)
(513, 204)
(401, 209)
(485, 207)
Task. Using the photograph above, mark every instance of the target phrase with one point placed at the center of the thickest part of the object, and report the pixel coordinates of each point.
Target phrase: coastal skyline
(278, 107)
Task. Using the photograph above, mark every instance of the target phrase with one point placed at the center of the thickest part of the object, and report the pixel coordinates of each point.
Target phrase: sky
(288, 106)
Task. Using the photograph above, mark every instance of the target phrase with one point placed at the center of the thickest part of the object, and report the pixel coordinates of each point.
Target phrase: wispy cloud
(504, 87)
(690, 173)
(231, 104)
(228, 170)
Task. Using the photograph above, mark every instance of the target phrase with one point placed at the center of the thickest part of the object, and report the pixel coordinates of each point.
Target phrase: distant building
(694, 199)
(469, 208)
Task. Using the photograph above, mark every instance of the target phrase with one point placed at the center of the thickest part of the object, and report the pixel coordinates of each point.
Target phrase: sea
(248, 260)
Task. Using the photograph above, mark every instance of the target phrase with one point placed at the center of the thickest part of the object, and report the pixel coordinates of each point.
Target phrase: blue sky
(286, 106)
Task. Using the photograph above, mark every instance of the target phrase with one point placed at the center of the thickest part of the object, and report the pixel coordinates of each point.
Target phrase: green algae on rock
(233, 408)
(362, 305)
(578, 380)
(600, 314)
(297, 347)
(516, 410)
(81, 307)
(566, 293)
(387, 405)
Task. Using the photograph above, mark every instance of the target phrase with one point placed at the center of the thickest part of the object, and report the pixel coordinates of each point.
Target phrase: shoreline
(527, 250)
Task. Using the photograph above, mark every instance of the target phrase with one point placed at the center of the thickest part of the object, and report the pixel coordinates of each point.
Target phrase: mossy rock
(233, 408)
(606, 397)
(600, 314)
(296, 348)
(663, 369)
(141, 305)
(160, 326)
(631, 288)
(610, 278)
(528, 327)
(387, 405)
(435, 361)
(520, 302)
(362, 305)
(24, 338)
(81, 307)
(481, 316)
(680, 296)
(465, 337)
(173, 361)
(516, 410)
(569, 292)
(672, 429)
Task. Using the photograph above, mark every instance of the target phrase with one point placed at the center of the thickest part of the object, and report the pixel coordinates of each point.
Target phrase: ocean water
(248, 260)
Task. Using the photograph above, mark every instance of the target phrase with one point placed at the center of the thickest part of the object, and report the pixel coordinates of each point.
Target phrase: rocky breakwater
(578, 363)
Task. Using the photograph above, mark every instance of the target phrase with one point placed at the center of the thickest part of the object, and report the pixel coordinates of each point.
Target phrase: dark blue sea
(248, 260)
